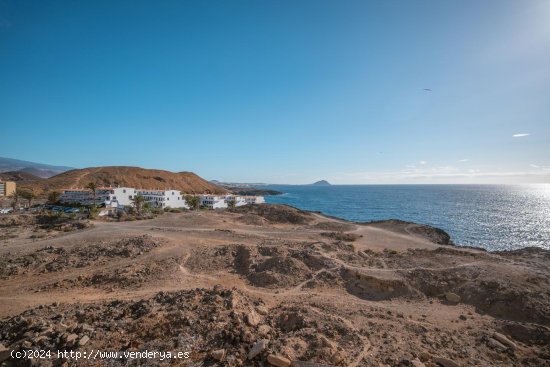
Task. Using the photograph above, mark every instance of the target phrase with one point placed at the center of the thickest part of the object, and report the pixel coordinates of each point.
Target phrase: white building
(254, 200)
(122, 196)
(104, 196)
(238, 200)
(213, 201)
(219, 201)
(164, 198)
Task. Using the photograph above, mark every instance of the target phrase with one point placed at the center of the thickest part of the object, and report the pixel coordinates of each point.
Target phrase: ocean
(493, 217)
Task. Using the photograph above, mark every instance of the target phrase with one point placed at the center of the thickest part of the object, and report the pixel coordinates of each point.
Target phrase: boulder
(504, 340)
(278, 361)
(452, 297)
(417, 363)
(496, 345)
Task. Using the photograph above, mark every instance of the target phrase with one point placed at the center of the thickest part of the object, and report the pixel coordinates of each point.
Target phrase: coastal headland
(266, 285)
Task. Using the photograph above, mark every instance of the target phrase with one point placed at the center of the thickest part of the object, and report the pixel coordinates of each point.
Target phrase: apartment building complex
(224, 201)
(7, 188)
(123, 196)
(108, 197)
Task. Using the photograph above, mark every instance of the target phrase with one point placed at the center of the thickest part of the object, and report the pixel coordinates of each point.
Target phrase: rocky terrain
(269, 285)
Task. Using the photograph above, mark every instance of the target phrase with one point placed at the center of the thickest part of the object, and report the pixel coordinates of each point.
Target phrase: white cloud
(423, 162)
(520, 135)
(463, 160)
(540, 167)
(445, 174)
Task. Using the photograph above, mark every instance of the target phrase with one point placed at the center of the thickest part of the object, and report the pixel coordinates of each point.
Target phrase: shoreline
(374, 222)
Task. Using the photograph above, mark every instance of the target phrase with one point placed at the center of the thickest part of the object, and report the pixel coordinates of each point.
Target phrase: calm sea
(495, 217)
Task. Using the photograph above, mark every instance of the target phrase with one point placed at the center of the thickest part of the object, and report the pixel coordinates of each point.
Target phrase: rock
(504, 340)
(4, 353)
(452, 297)
(47, 331)
(264, 330)
(257, 348)
(337, 358)
(85, 339)
(262, 310)
(38, 340)
(26, 344)
(309, 364)
(424, 356)
(252, 319)
(218, 355)
(417, 363)
(445, 362)
(278, 361)
(70, 339)
(496, 345)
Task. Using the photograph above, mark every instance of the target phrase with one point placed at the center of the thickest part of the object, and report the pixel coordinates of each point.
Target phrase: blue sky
(281, 91)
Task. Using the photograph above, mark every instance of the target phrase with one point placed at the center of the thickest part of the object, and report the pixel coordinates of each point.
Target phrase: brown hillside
(187, 182)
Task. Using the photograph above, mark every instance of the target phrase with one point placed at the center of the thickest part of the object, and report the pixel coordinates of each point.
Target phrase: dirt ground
(269, 285)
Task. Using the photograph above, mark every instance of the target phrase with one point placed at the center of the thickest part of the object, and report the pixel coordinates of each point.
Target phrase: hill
(36, 169)
(124, 176)
(321, 183)
(18, 176)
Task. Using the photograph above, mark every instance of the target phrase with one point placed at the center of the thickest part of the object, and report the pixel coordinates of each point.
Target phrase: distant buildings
(213, 201)
(7, 188)
(123, 196)
(224, 201)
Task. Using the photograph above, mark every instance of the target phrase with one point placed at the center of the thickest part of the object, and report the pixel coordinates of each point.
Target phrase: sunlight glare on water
(494, 217)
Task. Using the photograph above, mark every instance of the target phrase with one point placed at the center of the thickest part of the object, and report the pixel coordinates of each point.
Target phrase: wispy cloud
(423, 162)
(463, 160)
(540, 167)
(520, 135)
(445, 174)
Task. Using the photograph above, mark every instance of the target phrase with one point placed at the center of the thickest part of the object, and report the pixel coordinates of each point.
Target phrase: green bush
(94, 212)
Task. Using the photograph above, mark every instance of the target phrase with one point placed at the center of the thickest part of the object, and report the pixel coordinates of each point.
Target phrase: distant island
(321, 183)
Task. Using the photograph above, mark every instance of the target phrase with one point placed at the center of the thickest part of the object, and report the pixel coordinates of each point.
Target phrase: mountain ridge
(41, 170)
